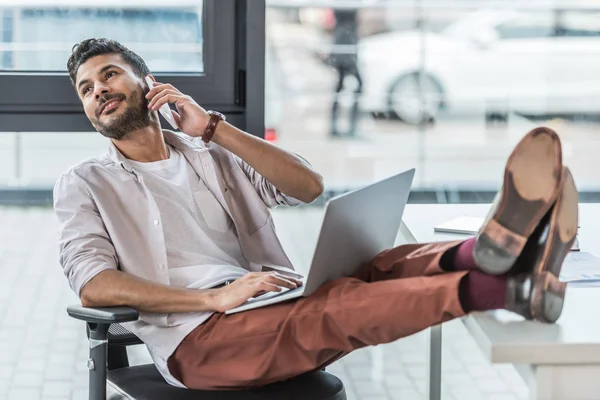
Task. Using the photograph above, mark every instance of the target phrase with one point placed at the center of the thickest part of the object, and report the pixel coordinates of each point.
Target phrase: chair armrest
(103, 315)
(98, 321)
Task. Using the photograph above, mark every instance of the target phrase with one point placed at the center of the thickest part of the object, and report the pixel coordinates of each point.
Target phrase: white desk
(557, 361)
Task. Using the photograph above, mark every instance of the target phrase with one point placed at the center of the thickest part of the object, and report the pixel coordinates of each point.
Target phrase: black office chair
(112, 378)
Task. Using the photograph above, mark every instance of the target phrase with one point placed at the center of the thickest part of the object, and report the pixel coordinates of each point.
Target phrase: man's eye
(109, 74)
(86, 90)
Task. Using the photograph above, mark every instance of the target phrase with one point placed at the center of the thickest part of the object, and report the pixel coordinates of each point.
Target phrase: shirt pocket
(211, 211)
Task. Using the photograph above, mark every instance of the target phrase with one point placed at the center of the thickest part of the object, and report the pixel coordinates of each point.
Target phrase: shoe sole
(532, 180)
(547, 292)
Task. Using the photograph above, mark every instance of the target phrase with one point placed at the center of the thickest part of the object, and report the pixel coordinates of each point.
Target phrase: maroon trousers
(400, 292)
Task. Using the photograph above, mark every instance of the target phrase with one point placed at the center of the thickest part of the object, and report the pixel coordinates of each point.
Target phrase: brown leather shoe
(531, 184)
(535, 291)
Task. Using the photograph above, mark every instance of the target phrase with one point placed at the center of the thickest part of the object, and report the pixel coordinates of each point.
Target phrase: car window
(469, 25)
(579, 24)
(528, 27)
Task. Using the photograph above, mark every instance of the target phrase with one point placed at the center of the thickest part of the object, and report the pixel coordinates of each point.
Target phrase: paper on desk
(460, 225)
(581, 269)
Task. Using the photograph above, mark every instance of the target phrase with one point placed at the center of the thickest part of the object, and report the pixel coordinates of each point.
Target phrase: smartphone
(164, 110)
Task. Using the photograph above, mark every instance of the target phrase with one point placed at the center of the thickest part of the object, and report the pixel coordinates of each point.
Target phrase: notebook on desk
(460, 225)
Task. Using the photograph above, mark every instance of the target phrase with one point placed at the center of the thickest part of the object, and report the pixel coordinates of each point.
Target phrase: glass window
(192, 44)
(170, 39)
(528, 27)
(372, 88)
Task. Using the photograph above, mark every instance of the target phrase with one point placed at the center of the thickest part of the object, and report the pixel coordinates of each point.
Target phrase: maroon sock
(480, 292)
(459, 258)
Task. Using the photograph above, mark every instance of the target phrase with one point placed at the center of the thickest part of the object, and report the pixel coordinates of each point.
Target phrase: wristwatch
(215, 118)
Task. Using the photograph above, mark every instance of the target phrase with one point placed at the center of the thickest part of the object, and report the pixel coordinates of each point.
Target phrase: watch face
(218, 114)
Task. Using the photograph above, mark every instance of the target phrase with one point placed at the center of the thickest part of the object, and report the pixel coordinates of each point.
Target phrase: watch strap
(214, 120)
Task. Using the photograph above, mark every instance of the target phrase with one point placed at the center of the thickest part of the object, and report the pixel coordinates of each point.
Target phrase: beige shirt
(109, 219)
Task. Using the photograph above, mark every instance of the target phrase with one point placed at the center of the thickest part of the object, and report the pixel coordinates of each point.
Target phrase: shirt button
(161, 266)
(155, 222)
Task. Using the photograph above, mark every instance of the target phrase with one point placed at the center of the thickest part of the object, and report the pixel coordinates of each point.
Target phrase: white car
(542, 62)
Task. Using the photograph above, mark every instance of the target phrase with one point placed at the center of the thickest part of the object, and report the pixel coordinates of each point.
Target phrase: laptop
(461, 225)
(356, 227)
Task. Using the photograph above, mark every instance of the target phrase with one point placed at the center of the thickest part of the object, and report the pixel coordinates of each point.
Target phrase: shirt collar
(176, 140)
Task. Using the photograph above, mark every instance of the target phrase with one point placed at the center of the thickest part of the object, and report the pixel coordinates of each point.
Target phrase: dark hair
(89, 48)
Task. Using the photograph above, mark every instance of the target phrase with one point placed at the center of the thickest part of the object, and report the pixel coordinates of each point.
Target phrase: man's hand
(251, 285)
(290, 174)
(191, 118)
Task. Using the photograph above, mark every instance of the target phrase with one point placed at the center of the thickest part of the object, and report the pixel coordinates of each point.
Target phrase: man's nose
(100, 90)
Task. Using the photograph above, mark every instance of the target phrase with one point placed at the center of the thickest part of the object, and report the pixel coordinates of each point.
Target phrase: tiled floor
(44, 352)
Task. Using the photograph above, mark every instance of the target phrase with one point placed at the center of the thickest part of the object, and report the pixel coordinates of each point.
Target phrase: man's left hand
(191, 118)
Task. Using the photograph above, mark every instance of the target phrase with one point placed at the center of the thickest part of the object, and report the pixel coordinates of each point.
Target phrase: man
(161, 224)
(345, 60)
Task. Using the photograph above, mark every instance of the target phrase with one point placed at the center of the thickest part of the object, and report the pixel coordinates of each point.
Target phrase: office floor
(44, 352)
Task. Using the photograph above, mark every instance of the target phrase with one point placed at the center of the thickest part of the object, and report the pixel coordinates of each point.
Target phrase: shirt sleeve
(269, 194)
(85, 248)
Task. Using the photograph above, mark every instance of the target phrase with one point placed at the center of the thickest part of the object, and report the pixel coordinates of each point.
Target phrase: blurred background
(446, 86)
(361, 88)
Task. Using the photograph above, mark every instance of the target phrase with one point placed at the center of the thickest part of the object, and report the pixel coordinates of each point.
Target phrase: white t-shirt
(203, 248)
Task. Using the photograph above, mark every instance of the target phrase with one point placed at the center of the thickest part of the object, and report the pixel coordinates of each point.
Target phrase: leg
(435, 362)
(406, 261)
(532, 181)
(534, 259)
(335, 109)
(341, 76)
(557, 382)
(287, 339)
(354, 114)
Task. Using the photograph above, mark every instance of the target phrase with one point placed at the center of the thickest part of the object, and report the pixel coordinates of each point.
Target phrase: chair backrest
(118, 339)
(118, 335)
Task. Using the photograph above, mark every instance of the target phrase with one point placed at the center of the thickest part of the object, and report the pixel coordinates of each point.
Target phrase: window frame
(48, 102)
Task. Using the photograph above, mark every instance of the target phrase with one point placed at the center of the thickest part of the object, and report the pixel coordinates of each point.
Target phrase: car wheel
(404, 100)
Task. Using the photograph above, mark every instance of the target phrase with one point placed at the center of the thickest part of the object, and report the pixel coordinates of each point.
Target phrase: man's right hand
(251, 285)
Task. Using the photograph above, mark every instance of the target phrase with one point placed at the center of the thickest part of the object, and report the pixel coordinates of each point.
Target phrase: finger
(259, 275)
(170, 98)
(296, 281)
(267, 287)
(159, 96)
(159, 87)
(155, 88)
(280, 281)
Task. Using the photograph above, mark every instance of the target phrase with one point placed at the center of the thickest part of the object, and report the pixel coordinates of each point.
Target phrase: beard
(136, 116)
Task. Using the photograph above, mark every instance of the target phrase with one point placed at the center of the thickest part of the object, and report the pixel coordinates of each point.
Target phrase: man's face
(113, 96)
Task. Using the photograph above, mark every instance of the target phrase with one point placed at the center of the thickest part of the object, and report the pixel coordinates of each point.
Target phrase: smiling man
(135, 114)
(181, 232)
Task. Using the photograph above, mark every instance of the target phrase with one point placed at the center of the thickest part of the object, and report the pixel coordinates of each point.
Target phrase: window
(192, 44)
(579, 23)
(528, 27)
(169, 39)
(435, 91)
